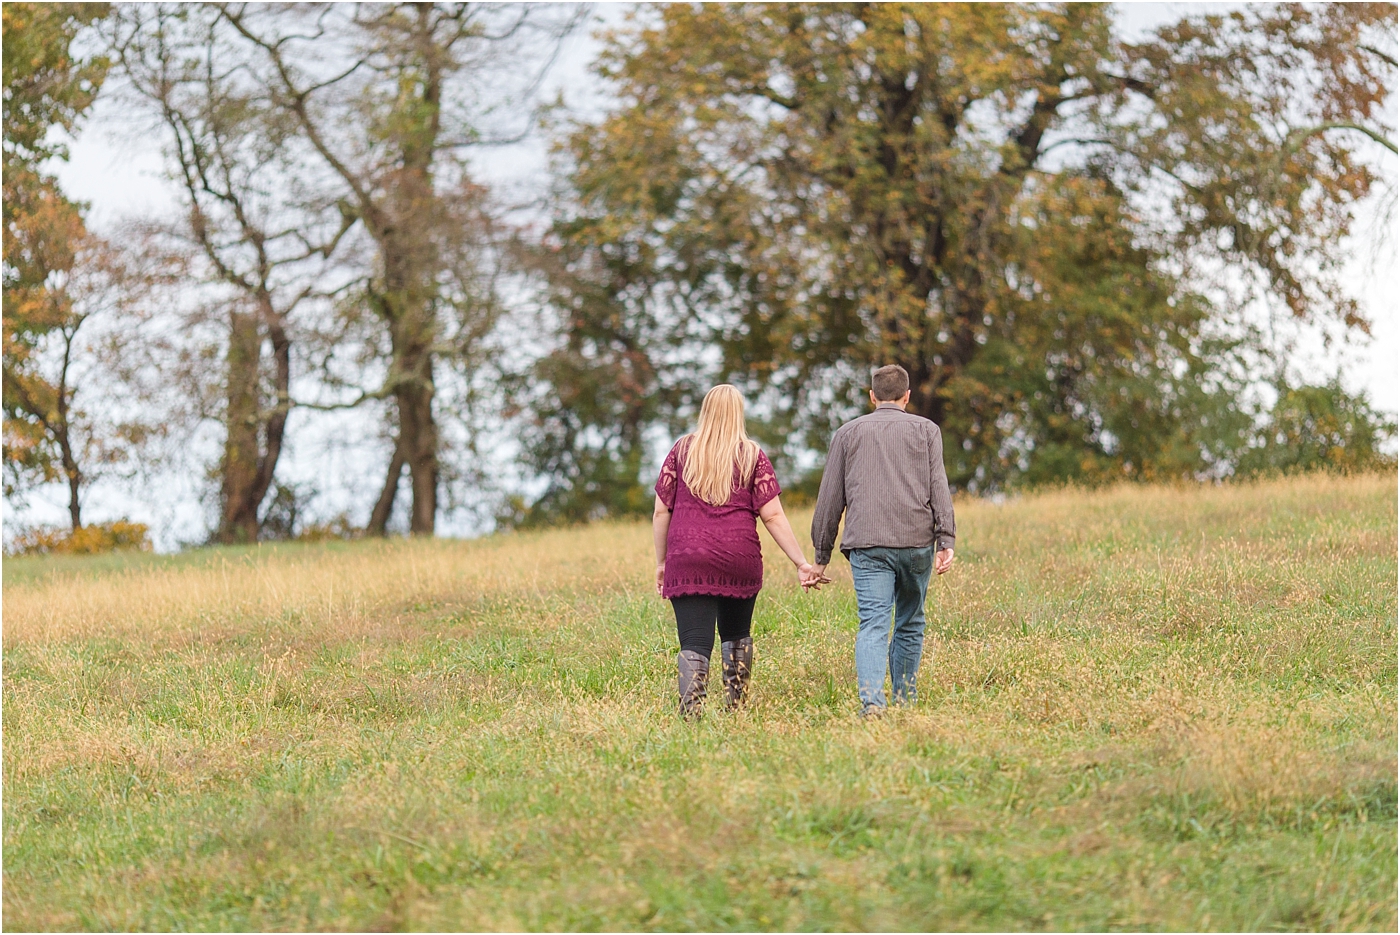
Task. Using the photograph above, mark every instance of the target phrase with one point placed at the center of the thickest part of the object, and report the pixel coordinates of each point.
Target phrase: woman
(708, 562)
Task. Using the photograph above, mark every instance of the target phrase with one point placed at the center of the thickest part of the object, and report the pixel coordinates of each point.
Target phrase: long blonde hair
(717, 445)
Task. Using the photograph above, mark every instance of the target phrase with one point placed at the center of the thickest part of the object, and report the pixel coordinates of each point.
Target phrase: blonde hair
(718, 443)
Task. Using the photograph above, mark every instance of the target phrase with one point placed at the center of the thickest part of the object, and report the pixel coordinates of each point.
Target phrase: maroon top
(713, 549)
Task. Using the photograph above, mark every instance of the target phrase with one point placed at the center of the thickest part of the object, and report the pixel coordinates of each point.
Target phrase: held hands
(812, 577)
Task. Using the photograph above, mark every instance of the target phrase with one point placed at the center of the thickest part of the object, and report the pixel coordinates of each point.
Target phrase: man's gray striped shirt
(885, 471)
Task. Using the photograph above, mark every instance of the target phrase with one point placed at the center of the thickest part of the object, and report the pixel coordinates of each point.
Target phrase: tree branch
(1296, 138)
(1388, 59)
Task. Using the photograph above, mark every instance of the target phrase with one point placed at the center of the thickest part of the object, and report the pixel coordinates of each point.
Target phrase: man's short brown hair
(889, 382)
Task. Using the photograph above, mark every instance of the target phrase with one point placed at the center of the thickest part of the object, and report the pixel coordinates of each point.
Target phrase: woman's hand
(811, 577)
(808, 575)
(660, 576)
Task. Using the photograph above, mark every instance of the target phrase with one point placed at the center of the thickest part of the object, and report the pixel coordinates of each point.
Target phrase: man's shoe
(737, 658)
(693, 674)
(872, 712)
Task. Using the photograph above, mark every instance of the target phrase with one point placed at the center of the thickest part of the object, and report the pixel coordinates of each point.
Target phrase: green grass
(1143, 708)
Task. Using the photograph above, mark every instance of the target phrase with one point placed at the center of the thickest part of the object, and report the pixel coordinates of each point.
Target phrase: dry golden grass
(1141, 707)
(324, 592)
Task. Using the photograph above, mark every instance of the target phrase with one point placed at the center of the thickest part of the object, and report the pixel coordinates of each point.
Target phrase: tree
(46, 90)
(66, 390)
(623, 363)
(274, 246)
(321, 153)
(385, 95)
(1312, 427)
(1022, 209)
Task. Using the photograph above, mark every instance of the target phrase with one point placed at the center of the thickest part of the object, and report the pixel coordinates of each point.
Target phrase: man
(885, 470)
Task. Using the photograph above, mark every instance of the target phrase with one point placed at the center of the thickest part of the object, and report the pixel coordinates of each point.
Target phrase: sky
(118, 169)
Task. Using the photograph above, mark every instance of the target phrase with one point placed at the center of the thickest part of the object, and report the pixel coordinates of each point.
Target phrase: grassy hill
(1151, 708)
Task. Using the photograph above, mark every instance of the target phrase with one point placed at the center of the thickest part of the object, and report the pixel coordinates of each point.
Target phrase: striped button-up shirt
(885, 471)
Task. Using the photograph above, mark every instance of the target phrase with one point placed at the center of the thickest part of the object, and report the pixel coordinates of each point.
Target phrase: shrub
(89, 540)
(1321, 427)
(338, 528)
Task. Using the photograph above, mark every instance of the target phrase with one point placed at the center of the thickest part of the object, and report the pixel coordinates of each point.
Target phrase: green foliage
(1321, 427)
(1018, 207)
(583, 428)
(45, 88)
(585, 408)
(1255, 120)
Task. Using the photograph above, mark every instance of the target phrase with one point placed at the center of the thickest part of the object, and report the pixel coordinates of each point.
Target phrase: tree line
(1061, 233)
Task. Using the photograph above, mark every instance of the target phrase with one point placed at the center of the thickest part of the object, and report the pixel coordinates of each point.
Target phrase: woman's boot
(693, 671)
(737, 657)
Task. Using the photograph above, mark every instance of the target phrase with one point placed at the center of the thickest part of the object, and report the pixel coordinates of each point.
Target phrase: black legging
(697, 614)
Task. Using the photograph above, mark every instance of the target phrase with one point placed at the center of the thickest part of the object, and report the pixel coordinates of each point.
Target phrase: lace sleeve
(765, 482)
(666, 483)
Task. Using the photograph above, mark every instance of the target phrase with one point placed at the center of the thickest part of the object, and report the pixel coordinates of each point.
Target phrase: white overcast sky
(121, 175)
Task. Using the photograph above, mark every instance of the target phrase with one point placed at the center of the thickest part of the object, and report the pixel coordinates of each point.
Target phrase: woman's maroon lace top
(713, 549)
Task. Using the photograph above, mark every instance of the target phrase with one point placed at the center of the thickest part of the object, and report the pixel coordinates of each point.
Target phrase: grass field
(1148, 708)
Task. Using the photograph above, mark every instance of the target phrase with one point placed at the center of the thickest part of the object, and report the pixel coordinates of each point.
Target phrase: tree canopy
(1087, 247)
(1026, 211)
(47, 91)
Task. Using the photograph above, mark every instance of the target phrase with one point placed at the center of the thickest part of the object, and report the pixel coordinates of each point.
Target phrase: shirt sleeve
(831, 501)
(944, 527)
(765, 482)
(669, 478)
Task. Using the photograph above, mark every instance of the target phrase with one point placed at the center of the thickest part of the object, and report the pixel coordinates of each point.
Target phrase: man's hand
(810, 576)
(943, 561)
(660, 576)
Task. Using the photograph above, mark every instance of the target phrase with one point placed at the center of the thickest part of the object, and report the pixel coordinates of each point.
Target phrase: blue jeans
(890, 581)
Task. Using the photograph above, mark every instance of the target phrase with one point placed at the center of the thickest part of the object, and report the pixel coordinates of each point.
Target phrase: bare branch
(1296, 138)
(1388, 59)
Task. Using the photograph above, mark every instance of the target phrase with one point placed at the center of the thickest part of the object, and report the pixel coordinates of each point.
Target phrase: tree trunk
(75, 477)
(275, 426)
(418, 434)
(411, 332)
(62, 435)
(253, 444)
(379, 517)
(420, 437)
(409, 305)
(238, 521)
(411, 267)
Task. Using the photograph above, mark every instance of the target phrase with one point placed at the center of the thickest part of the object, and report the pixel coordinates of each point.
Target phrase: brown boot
(737, 657)
(693, 671)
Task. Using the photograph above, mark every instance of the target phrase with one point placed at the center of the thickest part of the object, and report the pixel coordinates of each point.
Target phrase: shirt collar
(888, 406)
